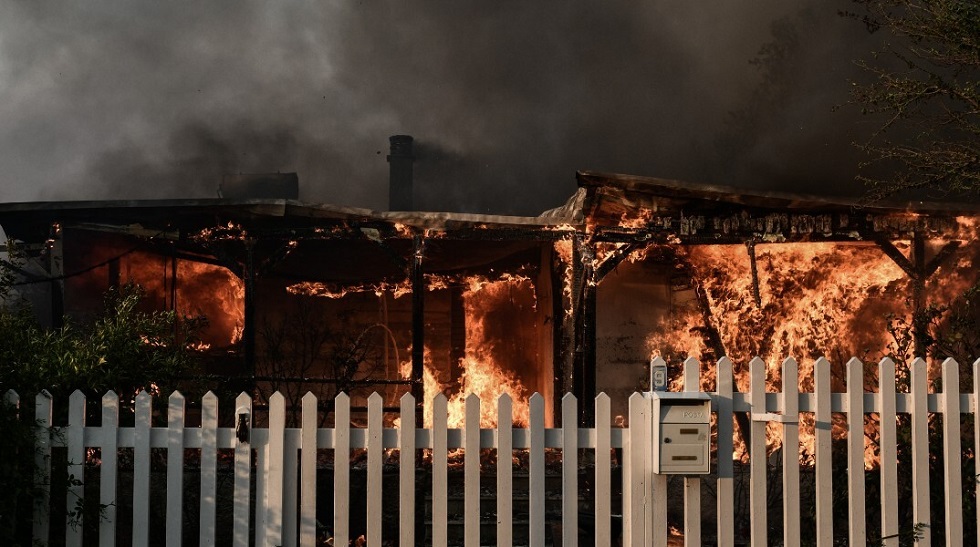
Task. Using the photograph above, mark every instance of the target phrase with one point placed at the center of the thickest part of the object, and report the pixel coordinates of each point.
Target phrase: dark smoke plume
(111, 99)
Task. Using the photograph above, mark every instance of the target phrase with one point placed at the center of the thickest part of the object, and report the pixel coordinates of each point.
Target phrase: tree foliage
(924, 86)
(126, 350)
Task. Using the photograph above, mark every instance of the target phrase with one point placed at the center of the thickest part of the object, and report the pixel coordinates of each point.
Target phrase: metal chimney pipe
(400, 162)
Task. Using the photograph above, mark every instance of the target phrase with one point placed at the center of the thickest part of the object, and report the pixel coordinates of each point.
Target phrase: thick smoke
(111, 99)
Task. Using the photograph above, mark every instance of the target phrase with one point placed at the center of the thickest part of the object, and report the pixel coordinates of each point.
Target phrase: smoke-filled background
(138, 99)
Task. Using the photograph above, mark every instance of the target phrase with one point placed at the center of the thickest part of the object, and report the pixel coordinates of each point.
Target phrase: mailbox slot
(681, 424)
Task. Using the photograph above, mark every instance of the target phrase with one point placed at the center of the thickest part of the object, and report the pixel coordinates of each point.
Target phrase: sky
(139, 99)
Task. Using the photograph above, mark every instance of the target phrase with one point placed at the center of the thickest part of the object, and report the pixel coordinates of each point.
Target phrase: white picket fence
(285, 470)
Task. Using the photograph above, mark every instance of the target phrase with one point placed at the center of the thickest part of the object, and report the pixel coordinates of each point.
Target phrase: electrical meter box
(681, 432)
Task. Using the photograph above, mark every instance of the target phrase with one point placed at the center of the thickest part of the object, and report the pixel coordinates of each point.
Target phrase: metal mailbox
(681, 432)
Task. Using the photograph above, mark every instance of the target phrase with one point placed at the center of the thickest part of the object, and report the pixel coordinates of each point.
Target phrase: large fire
(483, 372)
(817, 299)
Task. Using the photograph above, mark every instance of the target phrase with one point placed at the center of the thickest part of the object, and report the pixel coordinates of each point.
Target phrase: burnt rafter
(614, 259)
(921, 269)
(897, 257)
(941, 257)
(417, 276)
(756, 294)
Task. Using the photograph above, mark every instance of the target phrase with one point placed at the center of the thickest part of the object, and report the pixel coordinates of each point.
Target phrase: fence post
(726, 451)
(888, 440)
(42, 465)
(655, 510)
(920, 450)
(75, 439)
(107, 487)
(692, 485)
(757, 453)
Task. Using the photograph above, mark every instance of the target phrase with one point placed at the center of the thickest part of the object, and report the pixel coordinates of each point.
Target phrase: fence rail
(282, 475)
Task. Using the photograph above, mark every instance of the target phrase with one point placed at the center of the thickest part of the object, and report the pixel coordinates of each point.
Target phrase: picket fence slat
(275, 451)
(791, 453)
(976, 426)
(261, 514)
(603, 472)
(243, 470)
(725, 454)
(341, 476)
(108, 471)
(209, 468)
(569, 471)
(175, 470)
(823, 465)
(290, 490)
(375, 453)
(757, 454)
(952, 454)
(920, 449)
(406, 471)
(471, 472)
(43, 416)
(284, 489)
(857, 533)
(655, 514)
(536, 485)
(692, 485)
(633, 474)
(76, 468)
(888, 453)
(505, 471)
(308, 477)
(440, 471)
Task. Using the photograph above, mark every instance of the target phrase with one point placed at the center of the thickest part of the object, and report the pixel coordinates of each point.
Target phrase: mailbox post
(681, 424)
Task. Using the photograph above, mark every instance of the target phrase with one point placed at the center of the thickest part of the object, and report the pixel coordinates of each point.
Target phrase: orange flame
(482, 374)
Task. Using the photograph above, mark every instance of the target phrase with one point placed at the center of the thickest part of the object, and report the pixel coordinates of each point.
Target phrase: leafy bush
(127, 350)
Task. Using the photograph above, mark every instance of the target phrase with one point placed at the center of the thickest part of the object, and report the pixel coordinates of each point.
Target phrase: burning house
(303, 296)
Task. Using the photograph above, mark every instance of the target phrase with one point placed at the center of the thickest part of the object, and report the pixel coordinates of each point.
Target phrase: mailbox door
(684, 448)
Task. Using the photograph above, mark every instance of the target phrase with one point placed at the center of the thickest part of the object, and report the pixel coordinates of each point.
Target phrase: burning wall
(188, 287)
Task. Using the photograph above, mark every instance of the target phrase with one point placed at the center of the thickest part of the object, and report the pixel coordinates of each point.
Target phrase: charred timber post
(248, 330)
(918, 270)
(750, 245)
(56, 269)
(920, 323)
(585, 333)
(418, 327)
